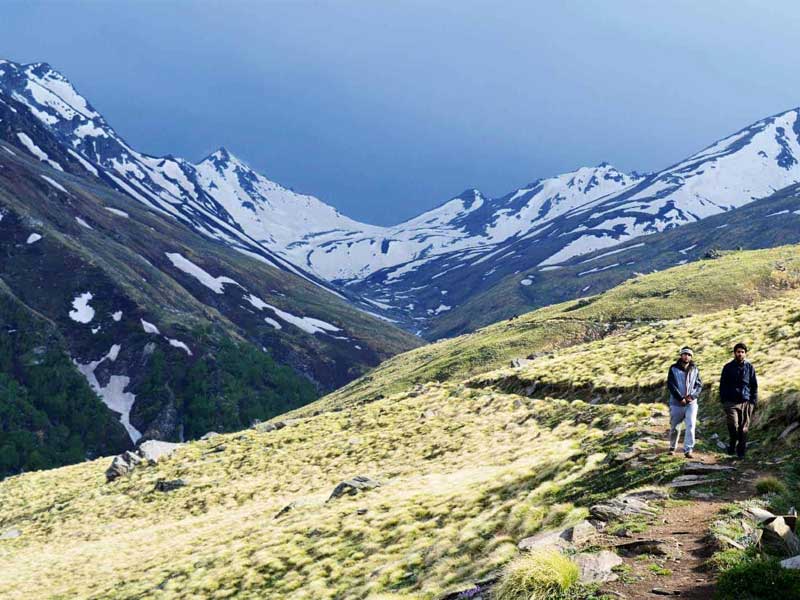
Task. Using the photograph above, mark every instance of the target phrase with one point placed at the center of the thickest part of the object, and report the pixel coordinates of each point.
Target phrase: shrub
(758, 579)
(770, 485)
(544, 575)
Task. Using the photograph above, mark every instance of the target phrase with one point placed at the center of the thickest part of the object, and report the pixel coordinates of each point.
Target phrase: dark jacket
(677, 380)
(738, 383)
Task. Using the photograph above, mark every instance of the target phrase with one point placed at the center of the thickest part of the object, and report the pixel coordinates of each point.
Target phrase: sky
(385, 109)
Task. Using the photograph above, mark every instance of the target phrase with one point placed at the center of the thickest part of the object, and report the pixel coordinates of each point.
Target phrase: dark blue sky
(387, 108)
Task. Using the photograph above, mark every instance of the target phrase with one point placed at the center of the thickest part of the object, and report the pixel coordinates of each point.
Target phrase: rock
(654, 547)
(786, 432)
(722, 445)
(689, 481)
(581, 534)
(696, 468)
(353, 486)
(480, 590)
(154, 450)
(289, 507)
(626, 455)
(10, 534)
(649, 494)
(122, 464)
(518, 363)
(267, 427)
(727, 542)
(596, 568)
(759, 515)
(779, 539)
(789, 563)
(361, 511)
(209, 435)
(701, 495)
(621, 507)
(169, 485)
(553, 539)
(663, 592)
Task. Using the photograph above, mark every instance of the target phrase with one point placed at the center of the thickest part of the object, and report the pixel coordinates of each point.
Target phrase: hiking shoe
(671, 450)
(688, 454)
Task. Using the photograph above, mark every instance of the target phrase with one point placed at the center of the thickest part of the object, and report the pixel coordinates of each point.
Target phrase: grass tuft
(770, 485)
(545, 575)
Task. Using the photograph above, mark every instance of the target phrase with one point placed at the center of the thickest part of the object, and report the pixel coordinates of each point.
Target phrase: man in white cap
(684, 384)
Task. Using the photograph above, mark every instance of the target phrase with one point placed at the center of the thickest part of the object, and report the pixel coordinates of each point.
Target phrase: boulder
(779, 539)
(155, 450)
(209, 435)
(546, 540)
(581, 534)
(351, 487)
(791, 563)
(597, 567)
(621, 507)
(518, 363)
(169, 485)
(10, 534)
(759, 515)
(122, 464)
(267, 427)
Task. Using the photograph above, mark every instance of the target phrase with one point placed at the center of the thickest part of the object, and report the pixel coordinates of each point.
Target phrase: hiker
(684, 385)
(738, 392)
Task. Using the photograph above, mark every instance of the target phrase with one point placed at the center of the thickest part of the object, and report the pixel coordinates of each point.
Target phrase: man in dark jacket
(684, 385)
(738, 391)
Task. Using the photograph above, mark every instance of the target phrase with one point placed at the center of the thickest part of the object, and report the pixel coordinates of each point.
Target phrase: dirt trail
(685, 526)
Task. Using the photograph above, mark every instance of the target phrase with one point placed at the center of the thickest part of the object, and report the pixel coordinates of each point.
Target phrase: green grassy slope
(467, 466)
(693, 289)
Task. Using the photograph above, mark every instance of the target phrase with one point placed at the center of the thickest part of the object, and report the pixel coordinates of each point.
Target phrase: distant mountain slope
(418, 272)
(765, 223)
(177, 333)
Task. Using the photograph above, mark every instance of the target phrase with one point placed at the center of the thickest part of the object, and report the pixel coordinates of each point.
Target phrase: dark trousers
(737, 417)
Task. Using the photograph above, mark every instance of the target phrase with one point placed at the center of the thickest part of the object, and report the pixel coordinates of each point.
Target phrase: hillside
(467, 467)
(764, 223)
(693, 289)
(176, 333)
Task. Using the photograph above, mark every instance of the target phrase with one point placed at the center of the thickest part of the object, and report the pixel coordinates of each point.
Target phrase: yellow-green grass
(465, 474)
(698, 288)
(542, 575)
(633, 364)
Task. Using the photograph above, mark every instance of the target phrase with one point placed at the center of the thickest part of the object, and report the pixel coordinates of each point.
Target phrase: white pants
(677, 415)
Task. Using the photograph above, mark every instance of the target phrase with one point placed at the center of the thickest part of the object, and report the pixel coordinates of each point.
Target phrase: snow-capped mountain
(169, 185)
(414, 271)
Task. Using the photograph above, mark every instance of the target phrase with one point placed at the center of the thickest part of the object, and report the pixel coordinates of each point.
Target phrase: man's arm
(672, 385)
(754, 387)
(698, 387)
(724, 384)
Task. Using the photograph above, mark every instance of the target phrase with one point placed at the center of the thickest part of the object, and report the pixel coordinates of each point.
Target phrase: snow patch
(117, 316)
(115, 211)
(179, 344)
(149, 327)
(273, 322)
(526, 282)
(83, 223)
(33, 238)
(113, 394)
(81, 311)
(55, 184)
(36, 151)
(213, 283)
